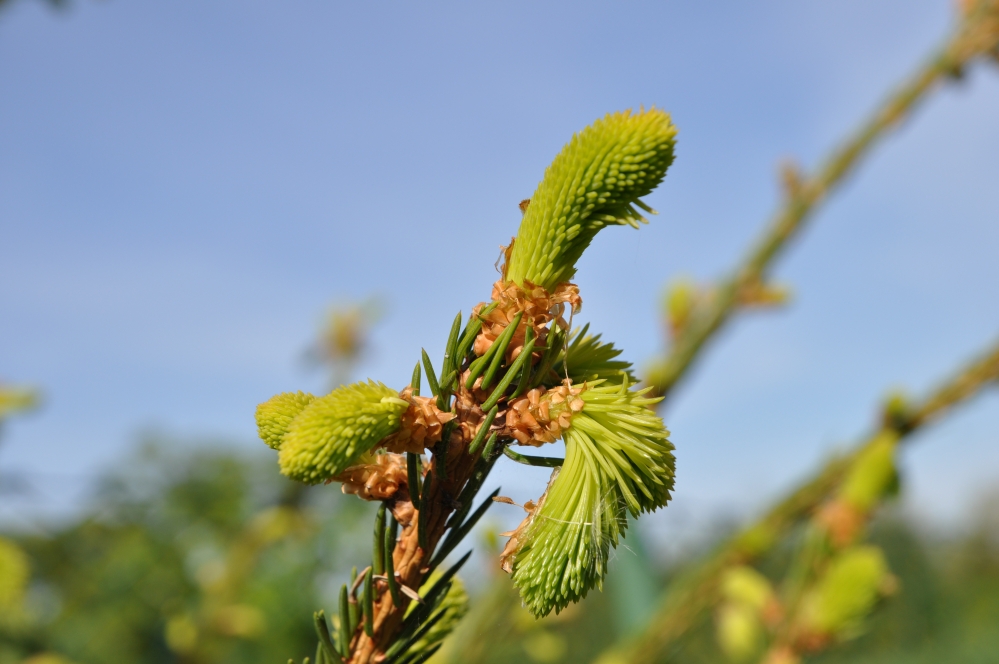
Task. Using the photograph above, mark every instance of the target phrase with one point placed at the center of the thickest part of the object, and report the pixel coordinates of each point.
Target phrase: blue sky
(185, 187)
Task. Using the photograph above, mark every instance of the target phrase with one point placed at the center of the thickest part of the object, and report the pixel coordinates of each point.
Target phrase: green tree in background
(184, 556)
(191, 551)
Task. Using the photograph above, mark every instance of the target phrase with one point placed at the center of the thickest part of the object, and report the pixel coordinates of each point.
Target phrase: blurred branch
(345, 338)
(976, 36)
(696, 592)
(16, 399)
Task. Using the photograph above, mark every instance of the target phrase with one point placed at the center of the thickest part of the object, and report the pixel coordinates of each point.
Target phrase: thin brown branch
(696, 592)
(976, 36)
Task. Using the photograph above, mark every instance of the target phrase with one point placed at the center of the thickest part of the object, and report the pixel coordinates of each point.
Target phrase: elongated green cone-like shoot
(618, 458)
(333, 431)
(275, 415)
(595, 181)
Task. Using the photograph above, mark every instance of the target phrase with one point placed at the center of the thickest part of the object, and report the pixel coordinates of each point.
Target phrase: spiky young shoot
(618, 455)
(275, 415)
(618, 459)
(334, 431)
(595, 181)
(587, 358)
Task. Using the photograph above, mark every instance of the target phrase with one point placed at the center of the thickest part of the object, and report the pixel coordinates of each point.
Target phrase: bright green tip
(333, 431)
(275, 415)
(618, 459)
(587, 358)
(595, 181)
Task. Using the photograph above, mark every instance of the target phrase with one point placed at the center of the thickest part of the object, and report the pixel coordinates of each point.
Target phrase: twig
(976, 36)
(696, 592)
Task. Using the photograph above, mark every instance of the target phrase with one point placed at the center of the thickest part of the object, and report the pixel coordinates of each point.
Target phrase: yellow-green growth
(333, 431)
(679, 303)
(740, 632)
(454, 606)
(595, 181)
(746, 586)
(618, 459)
(588, 358)
(47, 658)
(274, 416)
(847, 592)
(873, 474)
(745, 594)
(14, 573)
(756, 540)
(16, 399)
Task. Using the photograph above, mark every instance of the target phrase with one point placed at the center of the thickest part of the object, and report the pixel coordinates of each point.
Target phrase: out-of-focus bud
(745, 585)
(595, 181)
(846, 593)
(681, 300)
(791, 178)
(748, 605)
(333, 431)
(276, 523)
(181, 634)
(760, 294)
(756, 540)
(870, 478)
(781, 655)
(14, 574)
(740, 631)
(16, 399)
(896, 411)
(842, 522)
(239, 620)
(544, 646)
(873, 474)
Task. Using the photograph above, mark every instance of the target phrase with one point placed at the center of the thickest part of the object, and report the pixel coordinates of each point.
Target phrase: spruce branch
(833, 582)
(976, 37)
(495, 388)
(697, 591)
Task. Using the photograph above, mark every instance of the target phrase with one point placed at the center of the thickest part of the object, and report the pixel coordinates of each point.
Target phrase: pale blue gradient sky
(184, 187)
